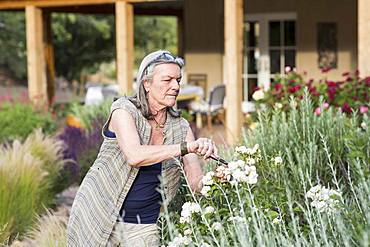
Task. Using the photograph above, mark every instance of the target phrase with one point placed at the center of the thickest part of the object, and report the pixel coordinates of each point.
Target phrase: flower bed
(351, 93)
(298, 180)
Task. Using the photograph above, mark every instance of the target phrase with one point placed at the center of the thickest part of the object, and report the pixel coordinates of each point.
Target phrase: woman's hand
(203, 146)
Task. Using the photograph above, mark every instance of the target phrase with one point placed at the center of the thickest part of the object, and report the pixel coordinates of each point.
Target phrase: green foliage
(305, 140)
(331, 150)
(19, 120)
(351, 93)
(86, 114)
(82, 43)
(13, 57)
(27, 173)
(153, 33)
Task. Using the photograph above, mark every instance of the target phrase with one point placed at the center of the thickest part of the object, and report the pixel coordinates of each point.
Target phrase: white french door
(269, 47)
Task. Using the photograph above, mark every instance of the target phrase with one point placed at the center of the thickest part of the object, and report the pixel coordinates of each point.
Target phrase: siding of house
(203, 36)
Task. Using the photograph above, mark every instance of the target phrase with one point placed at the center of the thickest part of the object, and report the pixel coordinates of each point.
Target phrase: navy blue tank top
(143, 201)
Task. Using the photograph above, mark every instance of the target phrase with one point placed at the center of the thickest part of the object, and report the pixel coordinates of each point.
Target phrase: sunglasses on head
(167, 57)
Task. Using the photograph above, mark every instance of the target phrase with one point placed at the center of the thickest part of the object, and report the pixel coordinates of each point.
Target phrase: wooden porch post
(124, 45)
(363, 37)
(49, 57)
(233, 68)
(35, 56)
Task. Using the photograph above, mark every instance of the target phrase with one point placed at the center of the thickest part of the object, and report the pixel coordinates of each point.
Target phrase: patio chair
(213, 106)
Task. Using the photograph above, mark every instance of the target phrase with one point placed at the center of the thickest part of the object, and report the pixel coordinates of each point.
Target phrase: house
(239, 43)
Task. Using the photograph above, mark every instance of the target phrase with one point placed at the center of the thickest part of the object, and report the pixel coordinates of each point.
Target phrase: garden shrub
(298, 179)
(18, 120)
(27, 175)
(351, 93)
(87, 114)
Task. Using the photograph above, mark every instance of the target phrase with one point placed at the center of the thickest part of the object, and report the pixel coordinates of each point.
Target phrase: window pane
(274, 32)
(252, 62)
(251, 32)
(274, 62)
(290, 58)
(289, 33)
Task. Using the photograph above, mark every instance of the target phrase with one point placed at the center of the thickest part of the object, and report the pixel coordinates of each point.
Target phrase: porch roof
(141, 7)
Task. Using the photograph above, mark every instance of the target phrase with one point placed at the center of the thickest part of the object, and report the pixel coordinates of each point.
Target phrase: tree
(81, 42)
(13, 57)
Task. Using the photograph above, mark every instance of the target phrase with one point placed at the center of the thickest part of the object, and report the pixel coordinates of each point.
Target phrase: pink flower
(318, 111)
(364, 109)
(326, 105)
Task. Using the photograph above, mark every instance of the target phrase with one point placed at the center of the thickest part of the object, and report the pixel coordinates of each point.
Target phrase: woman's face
(165, 85)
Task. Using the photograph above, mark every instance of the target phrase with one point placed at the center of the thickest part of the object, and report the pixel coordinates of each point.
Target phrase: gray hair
(146, 70)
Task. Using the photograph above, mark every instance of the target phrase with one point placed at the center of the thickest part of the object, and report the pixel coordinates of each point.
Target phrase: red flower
(325, 70)
(278, 86)
(346, 108)
(367, 81)
(294, 88)
(331, 83)
(332, 91)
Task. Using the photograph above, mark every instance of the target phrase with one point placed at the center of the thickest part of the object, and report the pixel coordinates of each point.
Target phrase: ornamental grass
(27, 174)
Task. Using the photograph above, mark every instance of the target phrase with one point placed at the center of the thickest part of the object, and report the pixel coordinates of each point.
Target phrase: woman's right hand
(204, 147)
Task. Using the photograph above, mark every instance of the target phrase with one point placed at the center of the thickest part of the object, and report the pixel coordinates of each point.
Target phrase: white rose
(251, 161)
(241, 149)
(258, 95)
(277, 220)
(187, 232)
(195, 208)
(217, 226)
(205, 190)
(233, 165)
(278, 105)
(278, 160)
(209, 210)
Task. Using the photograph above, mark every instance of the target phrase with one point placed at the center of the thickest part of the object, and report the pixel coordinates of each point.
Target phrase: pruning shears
(220, 160)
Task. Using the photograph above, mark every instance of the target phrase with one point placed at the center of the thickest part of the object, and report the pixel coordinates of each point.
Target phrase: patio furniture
(213, 106)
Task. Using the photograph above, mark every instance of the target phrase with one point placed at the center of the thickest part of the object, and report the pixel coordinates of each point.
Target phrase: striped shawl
(99, 199)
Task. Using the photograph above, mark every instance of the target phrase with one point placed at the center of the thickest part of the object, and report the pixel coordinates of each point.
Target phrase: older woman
(145, 142)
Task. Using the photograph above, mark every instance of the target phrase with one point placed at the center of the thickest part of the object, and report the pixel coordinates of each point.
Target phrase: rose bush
(349, 94)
